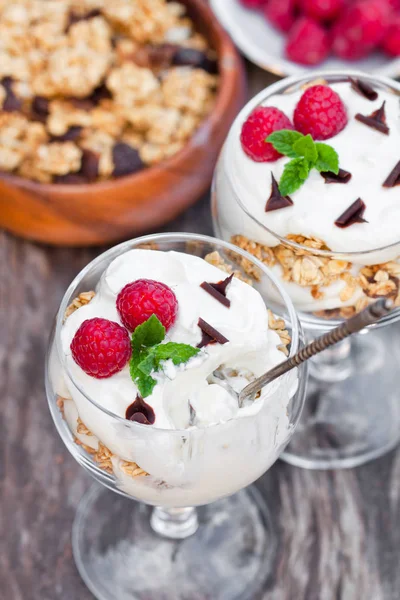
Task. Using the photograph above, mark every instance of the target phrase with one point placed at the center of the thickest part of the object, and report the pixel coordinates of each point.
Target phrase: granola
(317, 272)
(94, 74)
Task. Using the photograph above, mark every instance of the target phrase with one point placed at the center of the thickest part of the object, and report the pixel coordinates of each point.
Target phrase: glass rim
(284, 85)
(119, 249)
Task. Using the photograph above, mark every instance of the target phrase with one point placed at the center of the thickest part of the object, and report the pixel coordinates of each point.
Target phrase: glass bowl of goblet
(139, 535)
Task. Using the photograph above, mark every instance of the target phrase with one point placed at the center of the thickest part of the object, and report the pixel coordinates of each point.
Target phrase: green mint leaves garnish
(305, 154)
(148, 353)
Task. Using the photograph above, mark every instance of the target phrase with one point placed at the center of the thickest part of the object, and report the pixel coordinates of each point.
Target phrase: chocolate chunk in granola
(276, 200)
(393, 178)
(364, 89)
(40, 108)
(126, 160)
(161, 56)
(89, 165)
(194, 58)
(141, 412)
(100, 93)
(218, 290)
(210, 335)
(376, 120)
(11, 102)
(71, 135)
(341, 177)
(354, 214)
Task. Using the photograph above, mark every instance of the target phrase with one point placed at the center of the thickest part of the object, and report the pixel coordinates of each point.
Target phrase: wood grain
(339, 534)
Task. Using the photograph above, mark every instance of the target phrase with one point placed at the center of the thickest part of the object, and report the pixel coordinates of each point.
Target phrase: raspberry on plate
(142, 298)
(308, 42)
(281, 13)
(322, 10)
(360, 29)
(391, 42)
(320, 112)
(101, 347)
(258, 126)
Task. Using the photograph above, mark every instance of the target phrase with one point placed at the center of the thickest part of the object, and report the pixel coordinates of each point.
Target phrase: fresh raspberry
(320, 112)
(391, 43)
(360, 29)
(281, 13)
(308, 42)
(254, 4)
(141, 299)
(322, 10)
(261, 122)
(101, 347)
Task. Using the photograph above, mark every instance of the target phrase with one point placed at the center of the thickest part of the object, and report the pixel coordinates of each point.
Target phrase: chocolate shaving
(376, 120)
(393, 178)
(126, 160)
(276, 200)
(364, 89)
(11, 102)
(342, 177)
(218, 290)
(210, 335)
(141, 412)
(354, 214)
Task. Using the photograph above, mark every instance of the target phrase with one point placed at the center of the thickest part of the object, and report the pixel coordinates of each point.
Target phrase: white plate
(264, 45)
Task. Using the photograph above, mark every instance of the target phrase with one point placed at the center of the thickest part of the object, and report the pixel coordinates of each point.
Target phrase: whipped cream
(366, 153)
(226, 447)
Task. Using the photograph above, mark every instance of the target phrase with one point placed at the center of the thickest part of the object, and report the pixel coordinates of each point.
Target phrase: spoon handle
(368, 316)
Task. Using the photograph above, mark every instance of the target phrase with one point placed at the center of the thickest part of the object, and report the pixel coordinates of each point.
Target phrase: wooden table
(339, 531)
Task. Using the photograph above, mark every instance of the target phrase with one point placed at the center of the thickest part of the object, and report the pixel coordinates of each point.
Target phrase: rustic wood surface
(339, 533)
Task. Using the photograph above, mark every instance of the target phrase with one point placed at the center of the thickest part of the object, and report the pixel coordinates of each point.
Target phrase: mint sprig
(148, 354)
(305, 154)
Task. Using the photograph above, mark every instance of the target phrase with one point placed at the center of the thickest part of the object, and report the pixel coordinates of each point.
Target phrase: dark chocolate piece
(276, 200)
(354, 214)
(376, 120)
(393, 178)
(218, 290)
(100, 93)
(141, 412)
(126, 160)
(210, 335)
(40, 108)
(364, 89)
(194, 58)
(70, 135)
(342, 177)
(11, 102)
(89, 165)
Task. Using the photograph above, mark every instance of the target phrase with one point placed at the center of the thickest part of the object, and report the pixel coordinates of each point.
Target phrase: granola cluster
(317, 272)
(95, 89)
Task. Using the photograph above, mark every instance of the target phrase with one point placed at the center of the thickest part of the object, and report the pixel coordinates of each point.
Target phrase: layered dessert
(148, 371)
(319, 201)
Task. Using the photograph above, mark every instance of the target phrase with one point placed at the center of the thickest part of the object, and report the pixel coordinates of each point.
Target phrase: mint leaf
(284, 140)
(328, 159)
(145, 385)
(294, 175)
(178, 353)
(148, 334)
(306, 147)
(143, 381)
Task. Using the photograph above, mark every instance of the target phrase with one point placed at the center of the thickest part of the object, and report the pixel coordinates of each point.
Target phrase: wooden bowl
(98, 213)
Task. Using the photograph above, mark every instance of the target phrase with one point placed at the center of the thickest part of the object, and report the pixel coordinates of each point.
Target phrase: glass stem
(174, 523)
(334, 364)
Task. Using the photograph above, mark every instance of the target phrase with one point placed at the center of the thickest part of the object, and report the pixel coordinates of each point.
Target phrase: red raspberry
(391, 43)
(322, 10)
(320, 112)
(254, 4)
(280, 13)
(308, 42)
(360, 29)
(141, 299)
(101, 347)
(261, 122)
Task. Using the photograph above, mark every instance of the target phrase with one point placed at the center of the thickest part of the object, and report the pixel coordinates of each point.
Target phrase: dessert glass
(352, 414)
(123, 548)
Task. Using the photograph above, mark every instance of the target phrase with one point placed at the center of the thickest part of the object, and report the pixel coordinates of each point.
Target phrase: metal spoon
(368, 316)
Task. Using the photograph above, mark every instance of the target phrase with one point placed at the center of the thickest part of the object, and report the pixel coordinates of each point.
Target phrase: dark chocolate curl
(354, 214)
